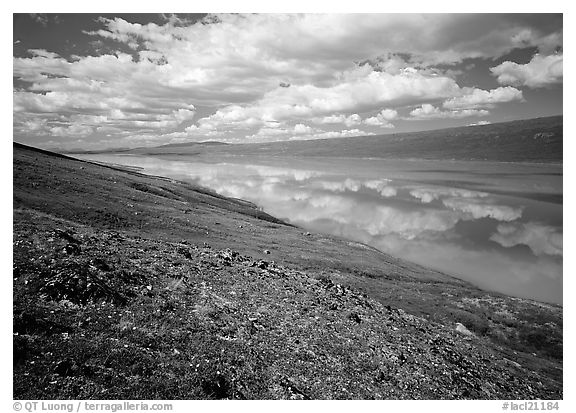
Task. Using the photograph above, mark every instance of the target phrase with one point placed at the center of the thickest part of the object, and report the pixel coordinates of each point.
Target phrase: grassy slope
(532, 140)
(128, 286)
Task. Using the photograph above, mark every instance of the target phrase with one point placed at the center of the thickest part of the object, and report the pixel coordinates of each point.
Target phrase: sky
(90, 81)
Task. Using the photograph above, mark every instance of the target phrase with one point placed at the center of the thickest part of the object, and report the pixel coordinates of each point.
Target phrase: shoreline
(127, 153)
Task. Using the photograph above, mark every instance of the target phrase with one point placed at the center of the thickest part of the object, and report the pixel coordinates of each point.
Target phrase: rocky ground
(136, 287)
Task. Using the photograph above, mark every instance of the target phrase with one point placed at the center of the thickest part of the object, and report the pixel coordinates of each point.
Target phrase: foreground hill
(128, 286)
(532, 140)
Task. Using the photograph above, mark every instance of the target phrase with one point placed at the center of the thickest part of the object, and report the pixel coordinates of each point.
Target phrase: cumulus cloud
(382, 118)
(93, 92)
(256, 70)
(428, 111)
(480, 123)
(351, 120)
(299, 131)
(541, 71)
(358, 88)
(72, 130)
(473, 98)
(541, 239)
(346, 133)
(430, 38)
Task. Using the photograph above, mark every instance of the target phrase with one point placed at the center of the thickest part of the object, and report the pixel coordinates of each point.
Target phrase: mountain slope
(128, 286)
(532, 140)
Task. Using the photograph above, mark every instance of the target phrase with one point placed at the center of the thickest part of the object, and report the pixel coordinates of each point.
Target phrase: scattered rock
(72, 249)
(355, 317)
(79, 282)
(460, 328)
(67, 235)
(513, 362)
(100, 264)
(65, 367)
(217, 387)
(293, 391)
(185, 252)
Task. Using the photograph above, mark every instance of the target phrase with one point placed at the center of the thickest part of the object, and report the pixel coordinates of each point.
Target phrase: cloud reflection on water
(420, 222)
(417, 223)
(541, 239)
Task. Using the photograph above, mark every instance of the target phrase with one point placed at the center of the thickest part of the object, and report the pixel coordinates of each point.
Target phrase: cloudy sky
(94, 81)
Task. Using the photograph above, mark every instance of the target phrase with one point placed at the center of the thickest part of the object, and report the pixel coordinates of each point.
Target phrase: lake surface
(497, 225)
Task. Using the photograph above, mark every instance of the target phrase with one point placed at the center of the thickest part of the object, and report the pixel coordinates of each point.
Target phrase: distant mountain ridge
(531, 140)
(185, 144)
(130, 150)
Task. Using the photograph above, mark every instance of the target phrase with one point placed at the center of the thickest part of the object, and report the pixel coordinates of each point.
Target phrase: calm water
(496, 225)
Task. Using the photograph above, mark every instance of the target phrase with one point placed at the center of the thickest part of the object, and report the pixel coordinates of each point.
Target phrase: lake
(497, 225)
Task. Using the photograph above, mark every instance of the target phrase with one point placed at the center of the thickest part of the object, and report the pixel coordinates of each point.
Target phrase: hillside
(532, 140)
(129, 286)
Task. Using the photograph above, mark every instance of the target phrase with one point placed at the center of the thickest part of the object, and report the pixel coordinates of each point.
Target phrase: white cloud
(35, 124)
(545, 43)
(270, 41)
(346, 133)
(382, 119)
(473, 98)
(359, 88)
(72, 130)
(93, 91)
(257, 70)
(340, 118)
(301, 129)
(541, 71)
(480, 123)
(428, 111)
(279, 131)
(541, 239)
(351, 120)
